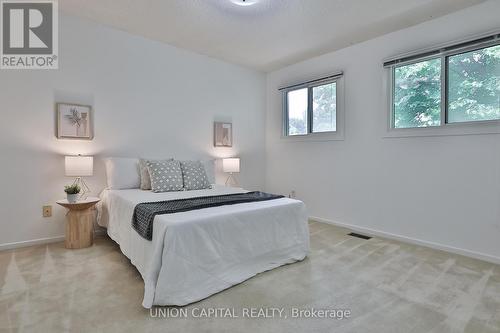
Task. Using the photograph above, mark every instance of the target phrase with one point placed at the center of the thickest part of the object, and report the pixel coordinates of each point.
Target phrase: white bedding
(198, 253)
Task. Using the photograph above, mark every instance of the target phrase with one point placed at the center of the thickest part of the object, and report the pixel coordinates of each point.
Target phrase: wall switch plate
(47, 211)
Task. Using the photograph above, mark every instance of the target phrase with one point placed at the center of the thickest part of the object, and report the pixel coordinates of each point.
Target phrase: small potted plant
(72, 192)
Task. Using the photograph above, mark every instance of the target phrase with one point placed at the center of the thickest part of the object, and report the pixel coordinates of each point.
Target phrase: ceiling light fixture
(244, 2)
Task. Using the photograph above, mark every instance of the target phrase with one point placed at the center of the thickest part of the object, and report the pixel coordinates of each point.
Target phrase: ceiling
(267, 35)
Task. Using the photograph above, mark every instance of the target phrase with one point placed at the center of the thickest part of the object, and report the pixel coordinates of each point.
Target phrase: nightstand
(80, 223)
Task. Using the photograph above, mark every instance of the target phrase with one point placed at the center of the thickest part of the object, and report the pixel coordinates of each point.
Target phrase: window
(474, 85)
(311, 108)
(453, 85)
(297, 112)
(417, 94)
(324, 108)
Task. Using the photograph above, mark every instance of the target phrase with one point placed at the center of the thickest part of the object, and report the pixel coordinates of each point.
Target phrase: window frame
(285, 111)
(392, 123)
(338, 134)
(491, 126)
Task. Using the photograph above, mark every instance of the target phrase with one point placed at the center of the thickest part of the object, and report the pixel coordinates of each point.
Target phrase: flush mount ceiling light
(248, 8)
(244, 2)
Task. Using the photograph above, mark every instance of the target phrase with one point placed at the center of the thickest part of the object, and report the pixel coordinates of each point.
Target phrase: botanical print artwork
(223, 133)
(74, 121)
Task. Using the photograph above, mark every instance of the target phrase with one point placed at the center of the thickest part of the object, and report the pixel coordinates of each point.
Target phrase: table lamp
(231, 165)
(79, 167)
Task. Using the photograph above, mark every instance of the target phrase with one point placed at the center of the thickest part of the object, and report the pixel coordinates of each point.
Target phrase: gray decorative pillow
(166, 176)
(194, 175)
(145, 177)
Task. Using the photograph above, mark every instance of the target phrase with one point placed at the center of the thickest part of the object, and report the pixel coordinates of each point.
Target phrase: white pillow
(209, 166)
(123, 173)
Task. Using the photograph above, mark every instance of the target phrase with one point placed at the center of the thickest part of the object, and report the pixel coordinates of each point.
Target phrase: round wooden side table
(80, 223)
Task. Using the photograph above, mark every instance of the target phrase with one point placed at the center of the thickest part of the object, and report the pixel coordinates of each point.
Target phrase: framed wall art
(74, 121)
(223, 134)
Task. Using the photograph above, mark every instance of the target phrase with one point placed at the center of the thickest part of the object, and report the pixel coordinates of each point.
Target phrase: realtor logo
(29, 34)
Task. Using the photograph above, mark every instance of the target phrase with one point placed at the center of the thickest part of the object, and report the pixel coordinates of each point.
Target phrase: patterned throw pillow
(145, 177)
(194, 175)
(166, 176)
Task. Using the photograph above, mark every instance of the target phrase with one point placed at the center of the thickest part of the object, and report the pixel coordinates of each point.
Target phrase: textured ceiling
(267, 35)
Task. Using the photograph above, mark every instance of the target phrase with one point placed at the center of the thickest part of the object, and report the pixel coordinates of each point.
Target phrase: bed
(198, 253)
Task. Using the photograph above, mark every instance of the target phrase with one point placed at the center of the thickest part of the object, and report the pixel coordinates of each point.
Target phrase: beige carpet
(388, 287)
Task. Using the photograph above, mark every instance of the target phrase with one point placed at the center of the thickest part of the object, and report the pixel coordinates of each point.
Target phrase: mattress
(198, 253)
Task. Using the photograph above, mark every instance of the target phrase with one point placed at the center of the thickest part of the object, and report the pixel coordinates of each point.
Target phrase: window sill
(314, 137)
(483, 128)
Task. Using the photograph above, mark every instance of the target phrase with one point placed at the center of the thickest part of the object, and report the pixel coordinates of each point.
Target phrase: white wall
(444, 190)
(150, 100)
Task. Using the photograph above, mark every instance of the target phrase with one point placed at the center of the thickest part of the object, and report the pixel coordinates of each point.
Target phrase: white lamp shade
(231, 165)
(79, 166)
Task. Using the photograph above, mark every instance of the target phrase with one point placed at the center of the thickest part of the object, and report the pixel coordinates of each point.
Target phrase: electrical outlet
(47, 211)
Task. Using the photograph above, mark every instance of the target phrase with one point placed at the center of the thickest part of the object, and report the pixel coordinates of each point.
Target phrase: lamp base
(231, 181)
(85, 189)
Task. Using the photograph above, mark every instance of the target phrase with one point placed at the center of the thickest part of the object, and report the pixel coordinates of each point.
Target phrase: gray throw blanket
(144, 213)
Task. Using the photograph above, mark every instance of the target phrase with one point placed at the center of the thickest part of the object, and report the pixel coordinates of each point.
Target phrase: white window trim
(337, 135)
(445, 129)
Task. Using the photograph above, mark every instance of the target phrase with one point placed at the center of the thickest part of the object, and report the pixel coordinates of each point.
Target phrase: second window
(452, 88)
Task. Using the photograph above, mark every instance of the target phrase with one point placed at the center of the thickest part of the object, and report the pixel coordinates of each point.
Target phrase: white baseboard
(405, 239)
(40, 241)
(15, 245)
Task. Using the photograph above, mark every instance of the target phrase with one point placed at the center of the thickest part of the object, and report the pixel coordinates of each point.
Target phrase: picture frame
(223, 134)
(74, 121)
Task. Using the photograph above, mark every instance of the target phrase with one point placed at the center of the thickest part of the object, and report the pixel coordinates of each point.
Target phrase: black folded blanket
(144, 213)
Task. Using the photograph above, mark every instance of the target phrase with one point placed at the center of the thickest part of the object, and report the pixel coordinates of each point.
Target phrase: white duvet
(198, 253)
